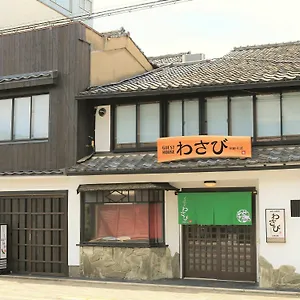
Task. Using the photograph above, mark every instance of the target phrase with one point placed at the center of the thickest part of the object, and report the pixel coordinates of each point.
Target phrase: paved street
(23, 289)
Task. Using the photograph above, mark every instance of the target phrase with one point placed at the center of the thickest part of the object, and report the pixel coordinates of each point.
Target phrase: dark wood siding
(57, 48)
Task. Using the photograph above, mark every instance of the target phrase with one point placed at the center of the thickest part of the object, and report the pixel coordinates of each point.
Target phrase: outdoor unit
(193, 57)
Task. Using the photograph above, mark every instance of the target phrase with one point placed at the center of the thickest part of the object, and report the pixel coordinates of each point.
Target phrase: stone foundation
(283, 277)
(128, 263)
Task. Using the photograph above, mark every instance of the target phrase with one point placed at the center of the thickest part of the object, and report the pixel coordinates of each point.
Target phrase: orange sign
(203, 146)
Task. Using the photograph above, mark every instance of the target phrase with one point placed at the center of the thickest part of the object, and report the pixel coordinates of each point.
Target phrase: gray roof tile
(254, 64)
(167, 59)
(146, 162)
(32, 173)
(28, 76)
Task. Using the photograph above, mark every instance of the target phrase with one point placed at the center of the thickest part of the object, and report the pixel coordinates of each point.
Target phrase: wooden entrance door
(220, 252)
(38, 232)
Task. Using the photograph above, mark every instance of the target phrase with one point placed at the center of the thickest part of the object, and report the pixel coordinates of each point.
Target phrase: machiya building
(192, 172)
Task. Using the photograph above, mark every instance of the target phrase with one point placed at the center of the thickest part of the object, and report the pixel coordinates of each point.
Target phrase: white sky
(212, 27)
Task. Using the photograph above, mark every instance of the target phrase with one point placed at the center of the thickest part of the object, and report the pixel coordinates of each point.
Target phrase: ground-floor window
(131, 216)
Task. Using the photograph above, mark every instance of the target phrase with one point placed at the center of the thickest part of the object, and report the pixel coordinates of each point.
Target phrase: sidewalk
(20, 287)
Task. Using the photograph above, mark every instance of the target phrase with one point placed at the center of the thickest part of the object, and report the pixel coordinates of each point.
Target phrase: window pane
(64, 3)
(22, 118)
(242, 116)
(149, 122)
(217, 116)
(40, 116)
(291, 113)
(191, 117)
(175, 118)
(123, 221)
(268, 116)
(126, 124)
(5, 119)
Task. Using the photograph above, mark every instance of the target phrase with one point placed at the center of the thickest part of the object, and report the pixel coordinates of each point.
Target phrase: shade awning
(125, 186)
(215, 208)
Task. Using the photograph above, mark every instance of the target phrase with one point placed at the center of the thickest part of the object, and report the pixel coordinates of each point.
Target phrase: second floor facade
(269, 118)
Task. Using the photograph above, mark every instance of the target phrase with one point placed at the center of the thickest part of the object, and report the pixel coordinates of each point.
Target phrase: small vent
(295, 208)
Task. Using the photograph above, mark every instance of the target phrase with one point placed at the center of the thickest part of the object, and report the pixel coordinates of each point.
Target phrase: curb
(162, 286)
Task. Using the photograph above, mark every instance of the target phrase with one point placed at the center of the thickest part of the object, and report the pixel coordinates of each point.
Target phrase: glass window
(137, 125)
(217, 116)
(290, 114)
(5, 119)
(189, 125)
(40, 116)
(124, 216)
(149, 122)
(126, 124)
(63, 3)
(175, 118)
(22, 118)
(268, 116)
(29, 116)
(242, 116)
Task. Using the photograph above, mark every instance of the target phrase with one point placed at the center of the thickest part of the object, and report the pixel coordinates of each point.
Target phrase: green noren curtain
(215, 208)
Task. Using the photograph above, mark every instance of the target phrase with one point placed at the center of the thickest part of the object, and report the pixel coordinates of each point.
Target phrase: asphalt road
(26, 289)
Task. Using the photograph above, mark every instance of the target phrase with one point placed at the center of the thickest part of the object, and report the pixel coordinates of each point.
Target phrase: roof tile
(146, 162)
(256, 64)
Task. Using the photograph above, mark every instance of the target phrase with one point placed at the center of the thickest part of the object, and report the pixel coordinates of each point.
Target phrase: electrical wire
(88, 16)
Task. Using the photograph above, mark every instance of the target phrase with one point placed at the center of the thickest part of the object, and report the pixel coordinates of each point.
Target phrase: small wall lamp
(210, 183)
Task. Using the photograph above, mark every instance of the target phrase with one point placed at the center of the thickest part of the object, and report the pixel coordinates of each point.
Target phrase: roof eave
(258, 167)
(197, 89)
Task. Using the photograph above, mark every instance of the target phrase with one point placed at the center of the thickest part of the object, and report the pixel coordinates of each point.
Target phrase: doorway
(218, 251)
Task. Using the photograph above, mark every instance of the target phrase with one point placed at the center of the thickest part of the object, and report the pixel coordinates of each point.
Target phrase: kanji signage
(275, 225)
(188, 147)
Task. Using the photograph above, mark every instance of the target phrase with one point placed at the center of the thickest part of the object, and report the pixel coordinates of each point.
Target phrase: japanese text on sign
(187, 147)
(275, 223)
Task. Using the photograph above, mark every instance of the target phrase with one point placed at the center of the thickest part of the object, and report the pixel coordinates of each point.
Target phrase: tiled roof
(28, 76)
(32, 173)
(267, 157)
(167, 59)
(244, 65)
(115, 33)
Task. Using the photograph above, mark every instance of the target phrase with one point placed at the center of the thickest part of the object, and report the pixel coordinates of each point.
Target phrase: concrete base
(128, 263)
(283, 277)
(74, 271)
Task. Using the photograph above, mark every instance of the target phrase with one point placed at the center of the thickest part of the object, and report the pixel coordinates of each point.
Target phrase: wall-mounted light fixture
(210, 183)
(102, 112)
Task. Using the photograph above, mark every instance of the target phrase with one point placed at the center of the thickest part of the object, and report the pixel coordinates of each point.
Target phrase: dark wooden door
(38, 232)
(220, 252)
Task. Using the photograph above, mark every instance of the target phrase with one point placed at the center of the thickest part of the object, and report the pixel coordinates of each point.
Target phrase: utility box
(3, 249)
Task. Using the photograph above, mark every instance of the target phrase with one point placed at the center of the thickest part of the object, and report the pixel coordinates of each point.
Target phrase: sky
(212, 27)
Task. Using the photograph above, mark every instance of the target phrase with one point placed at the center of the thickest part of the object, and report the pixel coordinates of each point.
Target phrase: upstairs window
(66, 4)
(241, 111)
(217, 116)
(268, 116)
(25, 118)
(86, 5)
(137, 125)
(290, 115)
(183, 118)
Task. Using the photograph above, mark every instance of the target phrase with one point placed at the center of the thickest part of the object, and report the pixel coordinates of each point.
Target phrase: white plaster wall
(276, 192)
(22, 12)
(102, 130)
(172, 227)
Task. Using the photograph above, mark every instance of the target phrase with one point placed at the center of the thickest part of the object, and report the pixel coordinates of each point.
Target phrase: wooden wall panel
(57, 48)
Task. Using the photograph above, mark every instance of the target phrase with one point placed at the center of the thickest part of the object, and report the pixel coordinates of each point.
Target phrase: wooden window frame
(30, 139)
(137, 146)
(102, 200)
